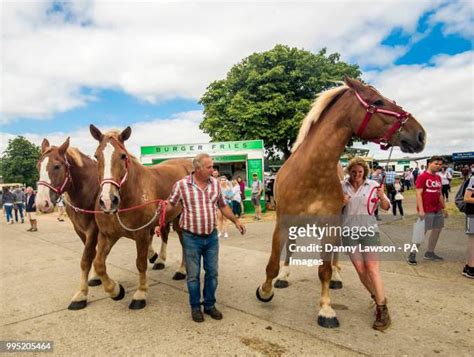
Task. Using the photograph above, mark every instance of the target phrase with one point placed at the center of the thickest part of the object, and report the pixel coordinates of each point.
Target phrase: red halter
(59, 189)
(401, 119)
(124, 178)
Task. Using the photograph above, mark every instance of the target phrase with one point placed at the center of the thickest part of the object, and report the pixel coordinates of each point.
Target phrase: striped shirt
(199, 206)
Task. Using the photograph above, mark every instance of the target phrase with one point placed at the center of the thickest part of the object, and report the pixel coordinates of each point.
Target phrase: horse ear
(62, 149)
(353, 83)
(96, 133)
(125, 134)
(44, 145)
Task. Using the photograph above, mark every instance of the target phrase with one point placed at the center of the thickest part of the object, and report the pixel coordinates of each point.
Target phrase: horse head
(113, 161)
(378, 119)
(54, 175)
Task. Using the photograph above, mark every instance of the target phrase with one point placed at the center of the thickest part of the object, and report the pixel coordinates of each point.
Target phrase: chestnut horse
(307, 185)
(126, 183)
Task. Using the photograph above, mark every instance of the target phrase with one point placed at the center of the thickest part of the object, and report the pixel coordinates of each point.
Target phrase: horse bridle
(59, 189)
(111, 180)
(401, 119)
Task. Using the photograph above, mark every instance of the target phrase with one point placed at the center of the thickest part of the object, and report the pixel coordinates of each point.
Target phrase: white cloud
(160, 50)
(457, 17)
(180, 128)
(439, 97)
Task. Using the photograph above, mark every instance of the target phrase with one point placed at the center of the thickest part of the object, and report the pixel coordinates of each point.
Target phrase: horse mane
(115, 134)
(324, 99)
(76, 156)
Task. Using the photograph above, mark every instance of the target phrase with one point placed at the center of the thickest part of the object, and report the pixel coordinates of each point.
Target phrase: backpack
(462, 206)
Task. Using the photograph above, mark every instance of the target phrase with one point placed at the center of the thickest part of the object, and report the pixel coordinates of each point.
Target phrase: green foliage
(19, 160)
(267, 95)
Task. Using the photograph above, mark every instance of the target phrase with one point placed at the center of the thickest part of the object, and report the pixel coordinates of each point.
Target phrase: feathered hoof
(335, 284)
(179, 276)
(159, 266)
(94, 282)
(137, 304)
(153, 258)
(281, 284)
(77, 305)
(262, 299)
(328, 322)
(121, 294)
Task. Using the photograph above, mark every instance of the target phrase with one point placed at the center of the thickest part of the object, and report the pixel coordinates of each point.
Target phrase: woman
(8, 201)
(397, 198)
(242, 194)
(236, 198)
(31, 209)
(468, 270)
(227, 192)
(357, 189)
(61, 210)
(445, 176)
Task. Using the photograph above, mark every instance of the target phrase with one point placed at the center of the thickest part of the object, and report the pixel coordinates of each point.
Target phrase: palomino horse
(307, 183)
(125, 183)
(66, 170)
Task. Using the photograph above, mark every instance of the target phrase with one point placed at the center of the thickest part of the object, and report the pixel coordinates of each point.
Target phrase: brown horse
(126, 183)
(307, 183)
(66, 170)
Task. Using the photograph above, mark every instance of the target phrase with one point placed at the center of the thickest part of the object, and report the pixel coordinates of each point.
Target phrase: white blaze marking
(108, 151)
(43, 191)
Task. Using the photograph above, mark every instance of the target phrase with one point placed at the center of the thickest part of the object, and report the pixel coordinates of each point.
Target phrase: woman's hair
(358, 161)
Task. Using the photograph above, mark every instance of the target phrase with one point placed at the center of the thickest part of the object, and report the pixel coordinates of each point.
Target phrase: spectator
(444, 174)
(236, 199)
(19, 204)
(430, 206)
(397, 198)
(257, 189)
(468, 270)
(31, 209)
(390, 181)
(60, 205)
(242, 194)
(416, 172)
(8, 201)
(227, 193)
(377, 176)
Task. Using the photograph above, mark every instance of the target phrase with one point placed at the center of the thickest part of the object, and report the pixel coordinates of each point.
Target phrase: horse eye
(123, 157)
(95, 155)
(56, 167)
(378, 103)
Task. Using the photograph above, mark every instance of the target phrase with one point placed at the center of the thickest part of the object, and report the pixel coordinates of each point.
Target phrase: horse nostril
(101, 203)
(421, 137)
(115, 201)
(46, 204)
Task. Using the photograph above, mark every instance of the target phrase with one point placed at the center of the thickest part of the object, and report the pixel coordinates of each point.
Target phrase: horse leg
(160, 262)
(142, 240)
(326, 316)
(115, 290)
(79, 300)
(282, 278)
(152, 254)
(265, 291)
(336, 280)
(180, 274)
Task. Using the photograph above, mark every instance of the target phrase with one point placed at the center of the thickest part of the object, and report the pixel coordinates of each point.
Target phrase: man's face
(215, 173)
(29, 191)
(255, 177)
(435, 166)
(206, 169)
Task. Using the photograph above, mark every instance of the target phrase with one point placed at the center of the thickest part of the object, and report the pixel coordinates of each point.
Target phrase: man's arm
(227, 213)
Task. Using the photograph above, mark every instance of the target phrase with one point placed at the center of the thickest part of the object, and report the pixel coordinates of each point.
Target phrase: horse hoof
(281, 284)
(179, 276)
(328, 322)
(153, 258)
(264, 299)
(77, 305)
(94, 282)
(121, 294)
(335, 285)
(137, 304)
(159, 266)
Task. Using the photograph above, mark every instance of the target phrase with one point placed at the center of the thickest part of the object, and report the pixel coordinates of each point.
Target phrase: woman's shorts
(368, 240)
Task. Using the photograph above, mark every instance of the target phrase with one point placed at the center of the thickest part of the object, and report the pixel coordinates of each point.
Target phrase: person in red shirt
(430, 206)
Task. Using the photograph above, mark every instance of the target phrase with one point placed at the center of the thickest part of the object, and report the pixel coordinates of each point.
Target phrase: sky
(65, 65)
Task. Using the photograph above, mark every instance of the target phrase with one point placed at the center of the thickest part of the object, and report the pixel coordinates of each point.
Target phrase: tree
(19, 160)
(267, 95)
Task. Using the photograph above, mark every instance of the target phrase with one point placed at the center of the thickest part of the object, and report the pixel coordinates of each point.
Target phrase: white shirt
(236, 191)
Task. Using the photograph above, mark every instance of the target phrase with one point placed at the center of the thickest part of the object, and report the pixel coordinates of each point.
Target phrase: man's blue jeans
(207, 247)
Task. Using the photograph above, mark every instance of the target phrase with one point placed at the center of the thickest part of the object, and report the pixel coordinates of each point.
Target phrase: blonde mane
(115, 134)
(322, 101)
(76, 156)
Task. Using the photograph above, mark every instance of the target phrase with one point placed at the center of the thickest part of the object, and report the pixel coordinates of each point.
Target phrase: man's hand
(240, 227)
(421, 214)
(445, 213)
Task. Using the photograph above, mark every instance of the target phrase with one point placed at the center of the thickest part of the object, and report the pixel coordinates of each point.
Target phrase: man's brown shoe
(382, 317)
(214, 313)
(197, 315)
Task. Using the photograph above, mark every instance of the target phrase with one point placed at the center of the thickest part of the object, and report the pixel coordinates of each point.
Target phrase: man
(200, 194)
(430, 206)
(256, 194)
(31, 209)
(19, 204)
(378, 177)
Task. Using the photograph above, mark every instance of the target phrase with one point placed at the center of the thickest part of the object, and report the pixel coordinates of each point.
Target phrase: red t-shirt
(431, 185)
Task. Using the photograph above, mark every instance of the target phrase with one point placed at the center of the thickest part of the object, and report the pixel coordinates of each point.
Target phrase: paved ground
(431, 304)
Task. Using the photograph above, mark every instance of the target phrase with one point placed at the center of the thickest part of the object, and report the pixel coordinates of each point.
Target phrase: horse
(307, 183)
(67, 171)
(126, 183)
